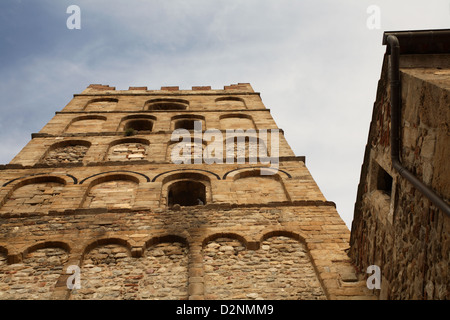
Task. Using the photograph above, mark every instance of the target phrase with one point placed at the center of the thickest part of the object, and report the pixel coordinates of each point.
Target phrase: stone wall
(225, 183)
(152, 229)
(288, 252)
(86, 124)
(264, 189)
(109, 272)
(33, 197)
(101, 105)
(127, 151)
(67, 154)
(280, 269)
(104, 146)
(35, 277)
(116, 193)
(397, 227)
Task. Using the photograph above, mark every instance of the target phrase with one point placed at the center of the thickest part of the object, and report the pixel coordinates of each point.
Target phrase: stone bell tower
(168, 194)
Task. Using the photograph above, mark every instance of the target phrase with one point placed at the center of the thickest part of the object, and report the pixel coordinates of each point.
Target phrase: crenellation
(245, 87)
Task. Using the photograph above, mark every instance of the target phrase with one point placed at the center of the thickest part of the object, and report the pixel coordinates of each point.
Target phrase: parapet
(240, 87)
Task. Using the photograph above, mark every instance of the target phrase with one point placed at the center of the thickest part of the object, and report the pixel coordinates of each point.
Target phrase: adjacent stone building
(104, 194)
(402, 217)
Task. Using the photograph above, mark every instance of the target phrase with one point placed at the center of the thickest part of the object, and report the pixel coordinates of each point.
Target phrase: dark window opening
(139, 125)
(384, 181)
(185, 124)
(187, 193)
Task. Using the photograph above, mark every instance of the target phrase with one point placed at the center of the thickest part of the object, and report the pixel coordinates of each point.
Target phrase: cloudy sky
(316, 64)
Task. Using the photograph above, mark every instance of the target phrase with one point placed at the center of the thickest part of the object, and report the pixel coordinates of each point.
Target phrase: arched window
(101, 104)
(230, 103)
(236, 121)
(245, 148)
(85, 124)
(187, 193)
(127, 150)
(252, 186)
(186, 189)
(115, 191)
(137, 123)
(185, 152)
(188, 122)
(104, 262)
(34, 195)
(166, 104)
(42, 267)
(71, 151)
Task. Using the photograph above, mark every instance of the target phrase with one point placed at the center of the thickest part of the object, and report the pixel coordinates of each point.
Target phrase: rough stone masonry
(87, 191)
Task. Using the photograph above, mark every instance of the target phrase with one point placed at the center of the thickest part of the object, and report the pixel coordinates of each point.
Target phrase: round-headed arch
(188, 116)
(41, 176)
(129, 140)
(237, 121)
(92, 121)
(47, 244)
(255, 171)
(23, 181)
(129, 148)
(139, 122)
(236, 115)
(167, 238)
(112, 177)
(39, 192)
(116, 190)
(70, 142)
(186, 188)
(229, 235)
(266, 234)
(166, 104)
(64, 147)
(88, 117)
(185, 150)
(202, 172)
(259, 185)
(97, 102)
(127, 173)
(231, 101)
(187, 122)
(105, 241)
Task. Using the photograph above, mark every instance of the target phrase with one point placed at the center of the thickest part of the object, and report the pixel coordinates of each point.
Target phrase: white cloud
(315, 63)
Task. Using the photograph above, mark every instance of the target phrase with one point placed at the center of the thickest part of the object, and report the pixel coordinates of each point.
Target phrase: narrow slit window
(383, 181)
